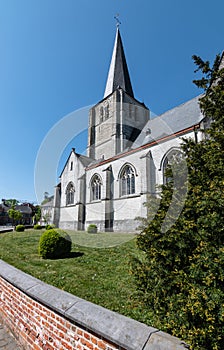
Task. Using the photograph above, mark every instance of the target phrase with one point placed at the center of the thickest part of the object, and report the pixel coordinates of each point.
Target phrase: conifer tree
(181, 277)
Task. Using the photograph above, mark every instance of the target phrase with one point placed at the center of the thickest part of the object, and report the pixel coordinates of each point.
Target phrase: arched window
(70, 194)
(174, 156)
(96, 184)
(127, 181)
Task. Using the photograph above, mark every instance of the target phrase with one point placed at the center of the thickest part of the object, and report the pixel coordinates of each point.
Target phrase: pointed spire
(118, 75)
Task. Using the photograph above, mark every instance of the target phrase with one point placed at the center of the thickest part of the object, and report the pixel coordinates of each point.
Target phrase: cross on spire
(117, 20)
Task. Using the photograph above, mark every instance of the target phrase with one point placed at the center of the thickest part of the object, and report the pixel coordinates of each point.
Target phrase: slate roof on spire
(118, 75)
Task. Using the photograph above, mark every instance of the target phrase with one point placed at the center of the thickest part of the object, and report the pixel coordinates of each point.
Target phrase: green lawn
(98, 269)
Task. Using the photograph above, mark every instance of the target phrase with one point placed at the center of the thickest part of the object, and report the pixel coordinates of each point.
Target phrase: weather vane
(117, 20)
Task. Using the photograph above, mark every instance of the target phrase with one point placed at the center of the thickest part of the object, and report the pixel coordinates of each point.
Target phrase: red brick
(101, 345)
(73, 328)
(68, 347)
(79, 332)
(93, 340)
(61, 335)
(63, 329)
(68, 325)
(64, 343)
(48, 347)
(87, 344)
(86, 335)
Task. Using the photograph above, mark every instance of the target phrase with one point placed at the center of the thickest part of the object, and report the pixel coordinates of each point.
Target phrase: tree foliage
(10, 202)
(14, 214)
(181, 276)
(47, 198)
(36, 213)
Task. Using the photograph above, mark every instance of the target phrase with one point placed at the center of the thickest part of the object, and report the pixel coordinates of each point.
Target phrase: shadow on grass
(74, 255)
(70, 255)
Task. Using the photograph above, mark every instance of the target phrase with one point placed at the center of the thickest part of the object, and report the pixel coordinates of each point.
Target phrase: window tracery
(174, 156)
(96, 186)
(127, 181)
(70, 194)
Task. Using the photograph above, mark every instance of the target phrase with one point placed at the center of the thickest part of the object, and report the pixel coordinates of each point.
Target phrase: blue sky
(55, 57)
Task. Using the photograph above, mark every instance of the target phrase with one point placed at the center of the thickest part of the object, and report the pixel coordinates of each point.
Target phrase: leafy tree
(14, 214)
(36, 214)
(47, 198)
(180, 278)
(46, 218)
(10, 202)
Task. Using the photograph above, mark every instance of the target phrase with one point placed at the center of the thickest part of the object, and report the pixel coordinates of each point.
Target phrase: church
(127, 155)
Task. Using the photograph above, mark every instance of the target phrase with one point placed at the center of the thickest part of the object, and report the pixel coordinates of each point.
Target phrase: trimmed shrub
(92, 228)
(37, 227)
(20, 228)
(49, 227)
(54, 244)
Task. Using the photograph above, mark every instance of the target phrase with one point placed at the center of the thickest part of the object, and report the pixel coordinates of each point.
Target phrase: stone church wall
(125, 208)
(148, 166)
(69, 217)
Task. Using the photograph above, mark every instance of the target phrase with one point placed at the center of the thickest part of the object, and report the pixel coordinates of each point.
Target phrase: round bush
(49, 227)
(54, 244)
(20, 228)
(37, 227)
(92, 228)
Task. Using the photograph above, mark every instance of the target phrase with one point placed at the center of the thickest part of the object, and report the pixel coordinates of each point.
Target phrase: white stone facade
(114, 210)
(126, 156)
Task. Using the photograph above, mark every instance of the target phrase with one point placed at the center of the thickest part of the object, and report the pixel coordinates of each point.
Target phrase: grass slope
(98, 269)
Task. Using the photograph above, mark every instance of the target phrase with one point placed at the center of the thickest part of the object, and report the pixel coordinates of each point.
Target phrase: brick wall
(44, 317)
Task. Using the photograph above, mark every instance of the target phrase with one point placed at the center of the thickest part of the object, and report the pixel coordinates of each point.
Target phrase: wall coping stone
(121, 330)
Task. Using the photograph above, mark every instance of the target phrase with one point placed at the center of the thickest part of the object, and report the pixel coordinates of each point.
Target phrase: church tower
(117, 120)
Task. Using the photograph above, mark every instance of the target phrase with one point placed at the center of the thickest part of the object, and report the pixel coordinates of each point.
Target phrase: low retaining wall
(5, 229)
(43, 317)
